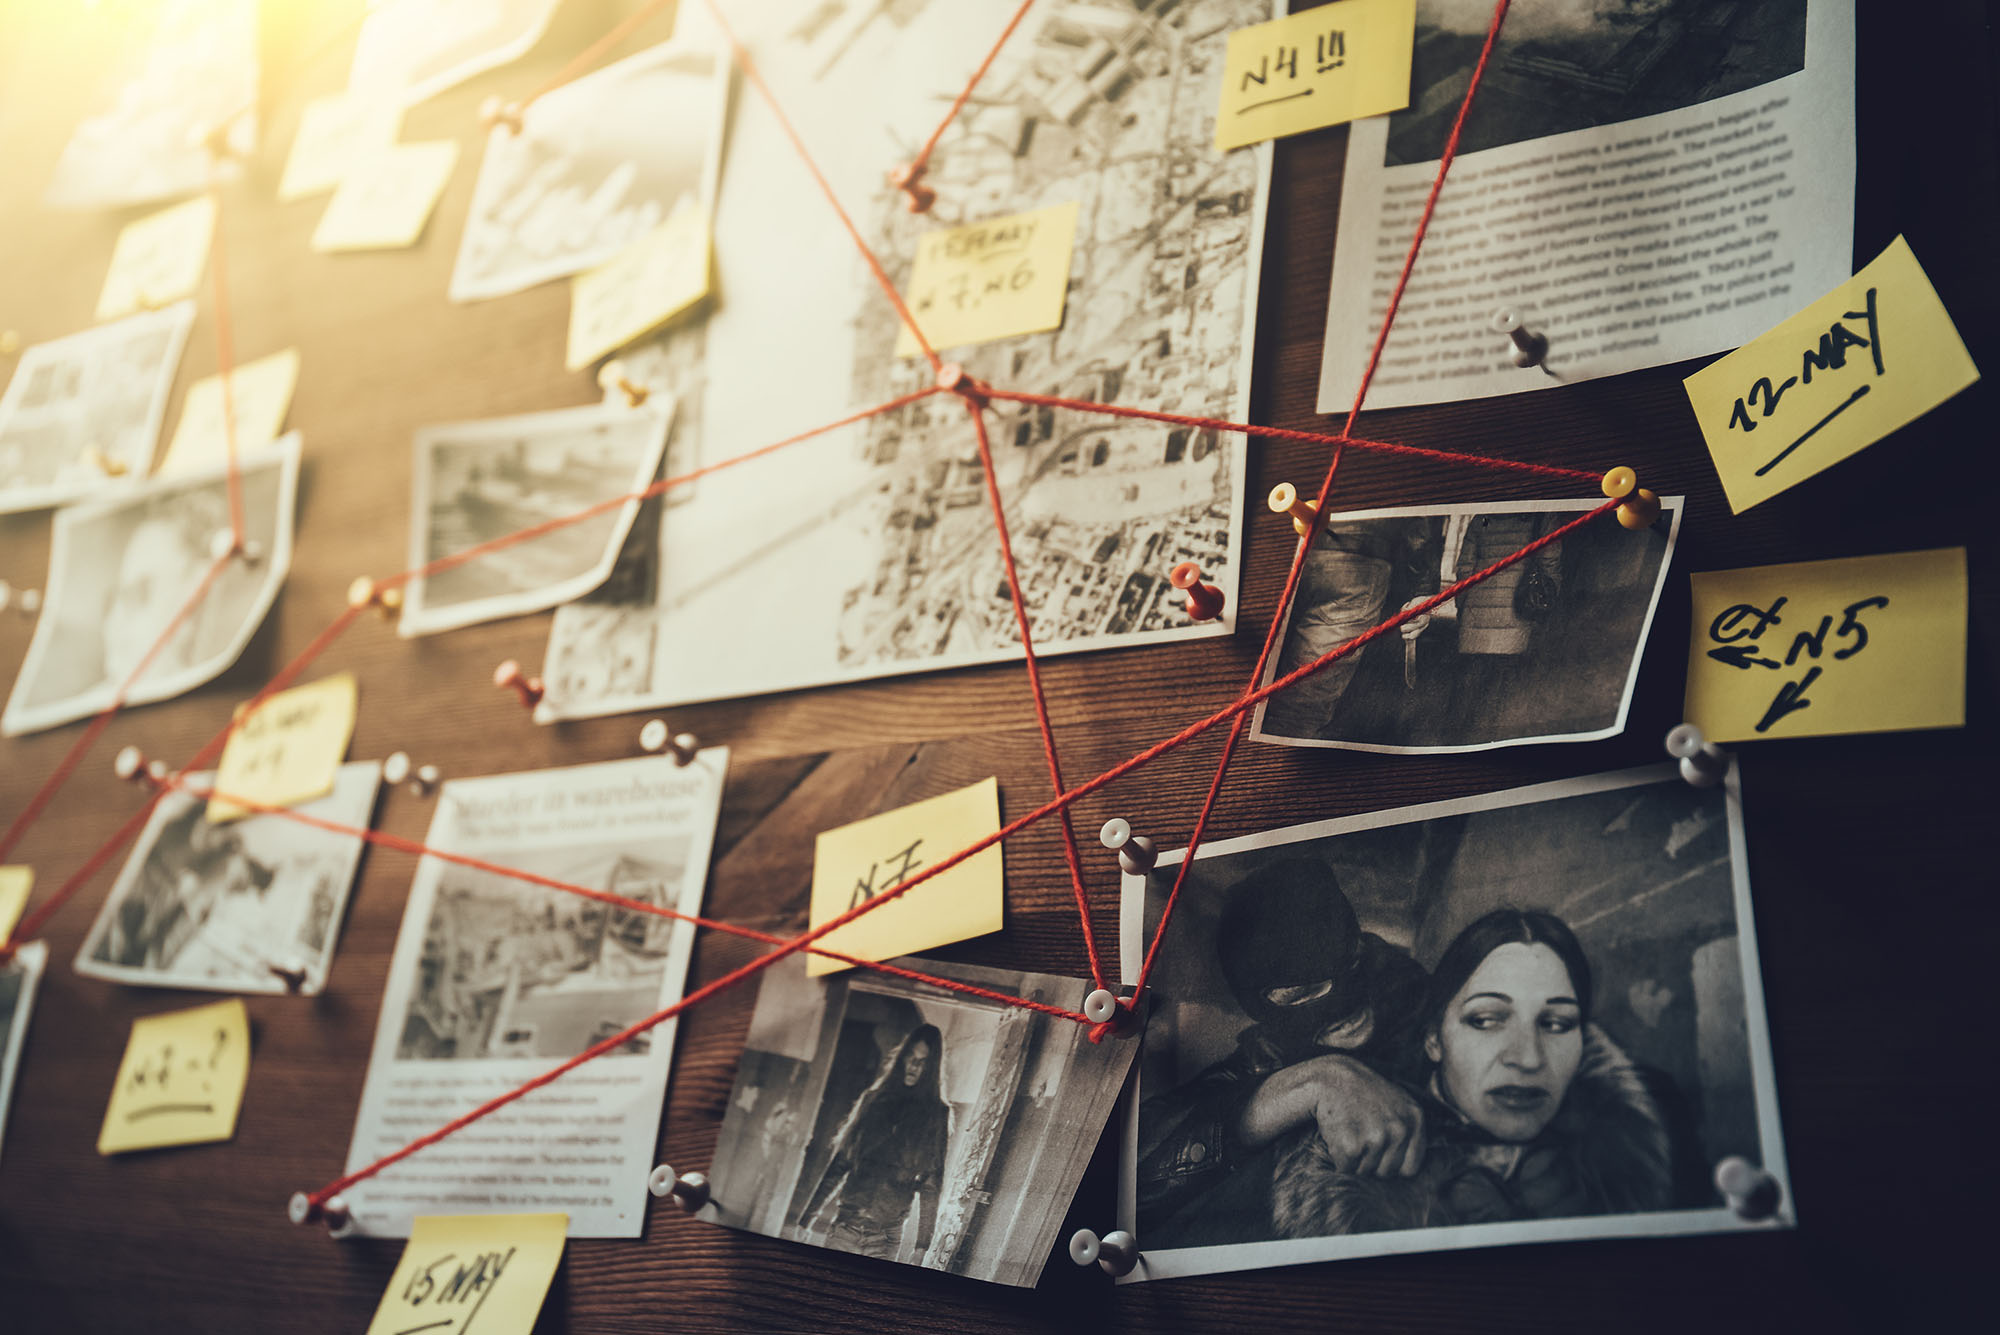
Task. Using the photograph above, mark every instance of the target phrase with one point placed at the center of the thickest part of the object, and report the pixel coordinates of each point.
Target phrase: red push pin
(509, 674)
(1638, 508)
(1204, 601)
(909, 178)
(955, 379)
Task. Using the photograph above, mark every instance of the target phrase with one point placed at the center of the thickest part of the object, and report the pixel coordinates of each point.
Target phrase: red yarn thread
(923, 157)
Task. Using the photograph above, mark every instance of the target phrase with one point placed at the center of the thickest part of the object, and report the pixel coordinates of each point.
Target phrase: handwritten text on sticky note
(1323, 67)
(855, 863)
(260, 394)
(335, 132)
(386, 197)
(656, 278)
(181, 1081)
(1874, 354)
(991, 280)
(15, 883)
(1862, 644)
(481, 1274)
(158, 259)
(288, 749)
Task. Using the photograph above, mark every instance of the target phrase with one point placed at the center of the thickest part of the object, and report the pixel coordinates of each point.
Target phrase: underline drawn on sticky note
(657, 277)
(1873, 355)
(1322, 67)
(260, 394)
(288, 749)
(1816, 648)
(482, 1274)
(855, 863)
(158, 259)
(181, 1081)
(991, 279)
(15, 885)
(386, 197)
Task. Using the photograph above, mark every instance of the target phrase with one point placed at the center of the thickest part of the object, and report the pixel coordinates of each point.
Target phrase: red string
(587, 57)
(923, 157)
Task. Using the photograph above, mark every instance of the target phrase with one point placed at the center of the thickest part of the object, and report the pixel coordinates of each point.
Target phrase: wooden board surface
(1869, 859)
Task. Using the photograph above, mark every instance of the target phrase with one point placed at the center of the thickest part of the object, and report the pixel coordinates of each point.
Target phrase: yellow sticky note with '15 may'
(181, 1081)
(15, 883)
(158, 259)
(1861, 644)
(991, 280)
(657, 277)
(1323, 67)
(472, 1274)
(260, 394)
(1876, 353)
(289, 749)
(854, 863)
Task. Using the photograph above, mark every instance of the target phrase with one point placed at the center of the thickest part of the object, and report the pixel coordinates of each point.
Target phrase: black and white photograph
(1526, 1016)
(18, 979)
(596, 165)
(122, 570)
(1572, 64)
(250, 905)
(1546, 650)
(911, 1123)
(413, 50)
(477, 481)
(82, 413)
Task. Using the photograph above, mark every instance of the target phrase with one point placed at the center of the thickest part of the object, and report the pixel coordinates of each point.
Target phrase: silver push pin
(339, 1220)
(1135, 851)
(1703, 763)
(689, 1190)
(1115, 1253)
(25, 601)
(1529, 347)
(1751, 1192)
(291, 971)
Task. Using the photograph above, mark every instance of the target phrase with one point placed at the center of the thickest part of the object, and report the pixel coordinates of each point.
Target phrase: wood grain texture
(1869, 856)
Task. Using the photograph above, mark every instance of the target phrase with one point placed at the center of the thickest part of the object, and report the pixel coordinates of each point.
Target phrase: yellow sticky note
(1323, 67)
(260, 394)
(15, 883)
(1862, 644)
(386, 197)
(493, 1267)
(660, 275)
(857, 862)
(991, 280)
(335, 132)
(158, 259)
(1874, 354)
(181, 1081)
(289, 749)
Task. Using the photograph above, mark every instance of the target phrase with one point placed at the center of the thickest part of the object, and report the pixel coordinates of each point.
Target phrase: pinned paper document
(386, 198)
(991, 280)
(660, 275)
(181, 1081)
(1326, 66)
(335, 132)
(260, 394)
(289, 748)
(158, 259)
(472, 1274)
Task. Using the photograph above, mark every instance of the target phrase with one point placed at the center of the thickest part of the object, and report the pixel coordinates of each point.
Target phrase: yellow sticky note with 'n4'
(1874, 354)
(386, 197)
(472, 1274)
(15, 883)
(855, 863)
(657, 277)
(260, 394)
(989, 280)
(181, 1081)
(1323, 67)
(1815, 648)
(288, 749)
(158, 259)
(335, 132)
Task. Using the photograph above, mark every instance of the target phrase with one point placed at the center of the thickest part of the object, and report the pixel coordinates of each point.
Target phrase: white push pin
(1703, 763)
(338, 1218)
(1136, 854)
(224, 545)
(291, 972)
(426, 780)
(396, 768)
(1100, 1005)
(1529, 347)
(496, 110)
(612, 376)
(1116, 1252)
(131, 765)
(653, 736)
(690, 1191)
(423, 779)
(1751, 1192)
(386, 599)
(26, 601)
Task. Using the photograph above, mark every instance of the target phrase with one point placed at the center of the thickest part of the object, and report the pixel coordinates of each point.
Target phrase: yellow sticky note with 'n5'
(289, 748)
(1874, 354)
(181, 1081)
(335, 132)
(989, 280)
(158, 259)
(657, 277)
(855, 863)
(260, 394)
(15, 883)
(386, 197)
(492, 1267)
(1815, 648)
(1323, 67)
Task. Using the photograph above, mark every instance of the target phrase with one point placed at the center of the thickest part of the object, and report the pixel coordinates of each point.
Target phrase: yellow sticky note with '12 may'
(657, 277)
(1861, 644)
(260, 394)
(1876, 353)
(1323, 67)
(991, 280)
(158, 259)
(15, 883)
(854, 863)
(181, 1081)
(472, 1274)
(289, 749)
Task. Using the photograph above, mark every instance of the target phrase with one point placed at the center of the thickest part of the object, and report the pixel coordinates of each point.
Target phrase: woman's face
(914, 1062)
(1509, 1042)
(155, 576)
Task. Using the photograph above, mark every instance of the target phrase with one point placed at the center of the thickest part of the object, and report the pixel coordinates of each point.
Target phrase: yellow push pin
(1285, 500)
(10, 342)
(103, 462)
(1638, 507)
(612, 376)
(365, 592)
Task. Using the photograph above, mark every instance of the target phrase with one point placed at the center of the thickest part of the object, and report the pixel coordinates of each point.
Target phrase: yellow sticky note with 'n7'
(260, 394)
(158, 259)
(181, 1081)
(288, 749)
(855, 863)
(15, 883)
(472, 1274)
(1874, 354)
(1323, 67)
(656, 278)
(989, 280)
(1815, 648)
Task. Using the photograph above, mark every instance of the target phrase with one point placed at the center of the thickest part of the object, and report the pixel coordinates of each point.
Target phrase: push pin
(955, 379)
(1637, 507)
(291, 972)
(26, 601)
(212, 139)
(909, 178)
(1204, 601)
(386, 599)
(1115, 1253)
(1529, 347)
(423, 779)
(132, 766)
(103, 462)
(1136, 854)
(496, 110)
(509, 674)
(1753, 1193)
(10, 342)
(339, 1219)
(224, 545)
(689, 1190)
(653, 739)
(1285, 500)
(612, 376)
(1703, 763)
